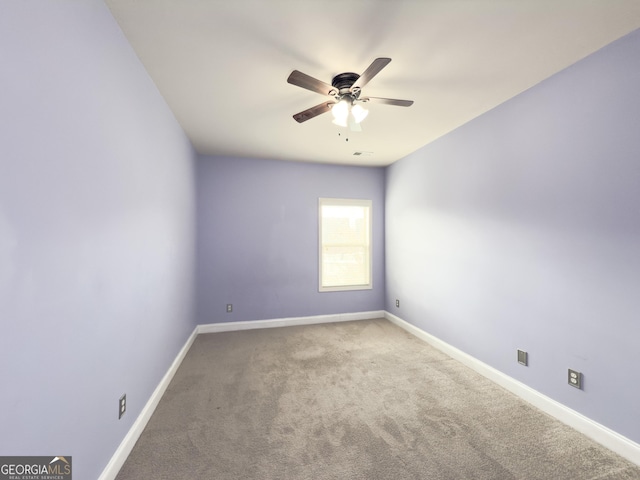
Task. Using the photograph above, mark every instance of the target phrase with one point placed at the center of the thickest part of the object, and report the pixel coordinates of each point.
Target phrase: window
(345, 244)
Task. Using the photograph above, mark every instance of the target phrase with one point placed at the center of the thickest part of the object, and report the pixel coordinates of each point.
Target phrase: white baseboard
(599, 433)
(124, 449)
(608, 438)
(288, 322)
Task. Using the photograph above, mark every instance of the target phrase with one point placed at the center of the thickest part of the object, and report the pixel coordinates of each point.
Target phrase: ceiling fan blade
(312, 112)
(388, 101)
(373, 69)
(303, 80)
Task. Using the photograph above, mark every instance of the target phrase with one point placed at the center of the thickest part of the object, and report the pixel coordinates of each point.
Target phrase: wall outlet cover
(122, 406)
(575, 379)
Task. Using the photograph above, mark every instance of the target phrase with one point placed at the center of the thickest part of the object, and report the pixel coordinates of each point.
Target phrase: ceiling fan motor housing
(344, 81)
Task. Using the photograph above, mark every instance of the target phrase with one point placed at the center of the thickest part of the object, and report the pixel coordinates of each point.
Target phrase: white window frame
(345, 202)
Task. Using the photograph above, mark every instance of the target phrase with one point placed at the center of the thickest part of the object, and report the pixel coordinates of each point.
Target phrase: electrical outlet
(122, 406)
(523, 358)
(575, 379)
(229, 307)
(397, 303)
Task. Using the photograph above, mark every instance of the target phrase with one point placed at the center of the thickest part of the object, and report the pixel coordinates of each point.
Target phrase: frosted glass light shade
(359, 113)
(340, 112)
(344, 108)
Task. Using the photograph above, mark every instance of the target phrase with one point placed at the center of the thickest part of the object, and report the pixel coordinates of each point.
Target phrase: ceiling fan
(345, 90)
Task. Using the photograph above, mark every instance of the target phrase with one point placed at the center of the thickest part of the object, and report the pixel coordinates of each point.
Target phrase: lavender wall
(522, 230)
(97, 233)
(258, 238)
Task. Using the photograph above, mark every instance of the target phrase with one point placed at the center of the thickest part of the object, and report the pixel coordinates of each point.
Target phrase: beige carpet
(357, 400)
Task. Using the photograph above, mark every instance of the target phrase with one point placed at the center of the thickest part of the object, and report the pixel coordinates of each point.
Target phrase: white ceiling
(222, 65)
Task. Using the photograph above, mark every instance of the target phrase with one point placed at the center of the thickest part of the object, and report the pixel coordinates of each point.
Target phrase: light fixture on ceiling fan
(346, 113)
(345, 90)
